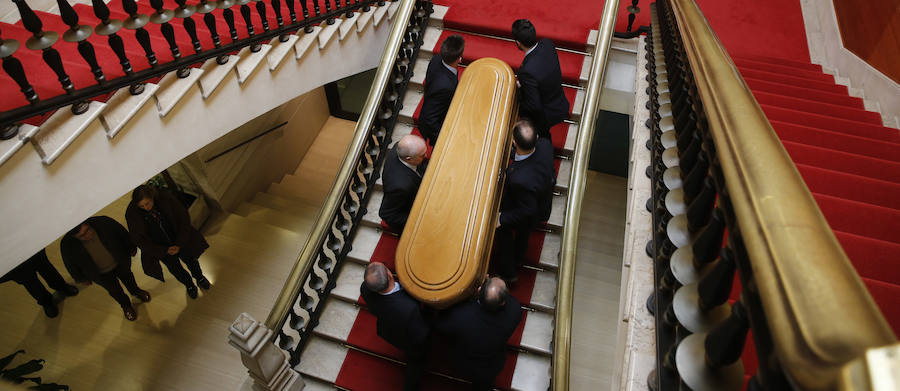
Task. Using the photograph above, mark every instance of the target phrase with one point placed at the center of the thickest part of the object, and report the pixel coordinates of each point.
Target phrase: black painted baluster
(276, 6)
(632, 14)
(184, 13)
(162, 18)
(228, 14)
(261, 10)
(350, 12)
(13, 68)
(715, 287)
(330, 20)
(43, 41)
(366, 8)
(248, 20)
(316, 7)
(136, 21)
(79, 33)
(725, 343)
(206, 8)
(109, 28)
(292, 12)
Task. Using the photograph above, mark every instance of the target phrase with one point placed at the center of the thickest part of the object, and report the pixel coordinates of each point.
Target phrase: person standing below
(100, 250)
(441, 80)
(527, 197)
(479, 330)
(402, 174)
(400, 321)
(26, 275)
(161, 227)
(541, 97)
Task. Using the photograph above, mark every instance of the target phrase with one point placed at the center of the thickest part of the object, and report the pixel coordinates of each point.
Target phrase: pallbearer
(443, 253)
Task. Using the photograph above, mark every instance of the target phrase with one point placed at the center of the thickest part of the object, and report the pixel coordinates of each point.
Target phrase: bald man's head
(493, 294)
(524, 136)
(378, 278)
(411, 149)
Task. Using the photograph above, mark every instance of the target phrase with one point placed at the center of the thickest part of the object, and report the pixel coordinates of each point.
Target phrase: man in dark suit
(26, 275)
(400, 322)
(440, 84)
(479, 330)
(527, 196)
(402, 174)
(161, 226)
(541, 97)
(100, 250)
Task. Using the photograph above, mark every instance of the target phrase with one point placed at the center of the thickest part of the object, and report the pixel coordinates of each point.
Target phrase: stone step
(284, 204)
(297, 223)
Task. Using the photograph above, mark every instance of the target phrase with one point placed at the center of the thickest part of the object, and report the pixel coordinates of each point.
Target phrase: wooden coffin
(444, 250)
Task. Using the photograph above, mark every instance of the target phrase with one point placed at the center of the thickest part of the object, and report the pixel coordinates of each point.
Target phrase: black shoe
(51, 310)
(143, 296)
(202, 282)
(192, 292)
(68, 290)
(130, 313)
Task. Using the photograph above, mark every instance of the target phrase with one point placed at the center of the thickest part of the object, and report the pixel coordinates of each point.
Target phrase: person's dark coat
(400, 185)
(400, 321)
(153, 243)
(111, 234)
(440, 85)
(528, 195)
(541, 96)
(479, 337)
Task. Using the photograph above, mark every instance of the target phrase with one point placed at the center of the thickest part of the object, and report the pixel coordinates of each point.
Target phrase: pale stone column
(267, 364)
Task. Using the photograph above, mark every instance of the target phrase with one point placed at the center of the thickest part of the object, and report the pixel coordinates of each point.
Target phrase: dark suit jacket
(400, 187)
(399, 320)
(112, 235)
(541, 97)
(479, 337)
(440, 85)
(528, 194)
(153, 248)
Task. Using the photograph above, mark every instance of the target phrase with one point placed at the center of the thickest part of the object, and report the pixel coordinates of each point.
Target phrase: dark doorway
(347, 96)
(610, 146)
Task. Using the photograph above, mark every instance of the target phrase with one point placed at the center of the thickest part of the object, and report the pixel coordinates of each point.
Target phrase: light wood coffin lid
(444, 250)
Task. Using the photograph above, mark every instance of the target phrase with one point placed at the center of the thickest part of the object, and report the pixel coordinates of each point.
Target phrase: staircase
(91, 156)
(849, 161)
(345, 352)
(291, 205)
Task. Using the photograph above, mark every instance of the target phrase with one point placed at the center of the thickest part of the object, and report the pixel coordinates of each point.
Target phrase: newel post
(266, 363)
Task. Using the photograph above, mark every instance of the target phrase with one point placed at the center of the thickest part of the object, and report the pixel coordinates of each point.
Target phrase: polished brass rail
(819, 313)
(316, 238)
(562, 334)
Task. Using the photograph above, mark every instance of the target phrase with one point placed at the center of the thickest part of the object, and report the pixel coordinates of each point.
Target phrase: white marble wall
(636, 342)
(826, 48)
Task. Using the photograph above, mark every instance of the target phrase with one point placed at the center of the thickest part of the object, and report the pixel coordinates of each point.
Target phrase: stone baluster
(265, 362)
(79, 33)
(43, 41)
(14, 69)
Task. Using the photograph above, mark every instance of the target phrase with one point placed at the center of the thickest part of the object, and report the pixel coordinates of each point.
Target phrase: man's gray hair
(376, 277)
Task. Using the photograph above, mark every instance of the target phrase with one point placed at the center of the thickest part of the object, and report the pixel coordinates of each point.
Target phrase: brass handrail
(562, 334)
(819, 313)
(319, 232)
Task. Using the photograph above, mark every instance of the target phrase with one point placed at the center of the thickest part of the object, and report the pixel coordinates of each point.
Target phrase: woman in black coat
(161, 227)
